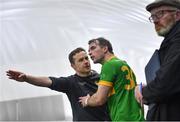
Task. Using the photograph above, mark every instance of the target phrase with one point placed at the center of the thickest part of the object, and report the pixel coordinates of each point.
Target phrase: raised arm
(22, 77)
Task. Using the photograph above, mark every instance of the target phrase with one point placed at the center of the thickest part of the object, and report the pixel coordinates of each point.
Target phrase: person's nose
(86, 61)
(156, 21)
(90, 53)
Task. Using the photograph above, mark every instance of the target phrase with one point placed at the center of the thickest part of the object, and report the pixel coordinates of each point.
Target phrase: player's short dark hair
(74, 52)
(102, 43)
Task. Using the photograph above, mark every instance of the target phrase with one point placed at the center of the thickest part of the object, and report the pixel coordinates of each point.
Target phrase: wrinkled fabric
(164, 90)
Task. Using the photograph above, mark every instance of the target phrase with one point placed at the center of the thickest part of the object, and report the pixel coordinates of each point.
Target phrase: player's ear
(105, 48)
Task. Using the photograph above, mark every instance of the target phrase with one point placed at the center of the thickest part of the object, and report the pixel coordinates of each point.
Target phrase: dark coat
(164, 90)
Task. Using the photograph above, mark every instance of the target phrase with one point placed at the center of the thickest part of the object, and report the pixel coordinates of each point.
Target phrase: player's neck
(108, 57)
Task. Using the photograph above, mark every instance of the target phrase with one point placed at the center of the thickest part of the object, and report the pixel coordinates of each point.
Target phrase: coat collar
(170, 37)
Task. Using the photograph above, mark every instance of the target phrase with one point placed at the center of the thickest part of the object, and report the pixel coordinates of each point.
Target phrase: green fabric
(122, 103)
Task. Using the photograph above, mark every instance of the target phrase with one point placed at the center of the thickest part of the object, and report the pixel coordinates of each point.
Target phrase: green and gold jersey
(121, 101)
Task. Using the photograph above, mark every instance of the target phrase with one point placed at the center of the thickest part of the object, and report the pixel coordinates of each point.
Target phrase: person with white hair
(163, 91)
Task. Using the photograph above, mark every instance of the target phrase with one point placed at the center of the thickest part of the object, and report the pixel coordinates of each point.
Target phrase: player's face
(81, 63)
(96, 52)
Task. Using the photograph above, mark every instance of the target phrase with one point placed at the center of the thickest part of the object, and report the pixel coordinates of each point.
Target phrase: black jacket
(164, 90)
(74, 87)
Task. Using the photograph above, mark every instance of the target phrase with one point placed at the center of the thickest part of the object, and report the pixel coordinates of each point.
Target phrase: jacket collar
(170, 37)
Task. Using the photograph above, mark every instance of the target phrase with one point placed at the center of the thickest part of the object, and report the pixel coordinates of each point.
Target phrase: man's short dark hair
(102, 43)
(74, 52)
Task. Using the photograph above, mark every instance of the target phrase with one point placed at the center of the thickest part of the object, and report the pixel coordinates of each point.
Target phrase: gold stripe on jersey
(105, 83)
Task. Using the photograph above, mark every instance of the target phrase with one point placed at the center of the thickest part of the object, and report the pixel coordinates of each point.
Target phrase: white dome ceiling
(36, 36)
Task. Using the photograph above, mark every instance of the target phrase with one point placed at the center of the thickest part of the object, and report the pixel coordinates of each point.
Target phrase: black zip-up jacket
(164, 90)
(74, 87)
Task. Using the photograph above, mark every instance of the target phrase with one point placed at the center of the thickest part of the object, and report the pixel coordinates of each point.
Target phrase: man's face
(165, 21)
(96, 52)
(81, 63)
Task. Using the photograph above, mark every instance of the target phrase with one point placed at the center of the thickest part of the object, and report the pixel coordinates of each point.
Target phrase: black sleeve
(167, 82)
(61, 84)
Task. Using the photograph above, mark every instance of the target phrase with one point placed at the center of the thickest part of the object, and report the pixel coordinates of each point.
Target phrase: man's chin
(94, 62)
(161, 32)
(88, 70)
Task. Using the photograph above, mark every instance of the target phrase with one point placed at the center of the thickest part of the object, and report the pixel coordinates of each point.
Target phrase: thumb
(22, 77)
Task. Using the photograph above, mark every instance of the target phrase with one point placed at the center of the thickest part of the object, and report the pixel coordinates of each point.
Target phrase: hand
(15, 75)
(84, 100)
(138, 95)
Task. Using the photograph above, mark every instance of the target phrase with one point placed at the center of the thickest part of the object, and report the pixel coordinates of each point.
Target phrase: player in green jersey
(116, 85)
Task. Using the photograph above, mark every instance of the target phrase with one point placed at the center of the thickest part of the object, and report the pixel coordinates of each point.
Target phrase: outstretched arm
(97, 99)
(22, 77)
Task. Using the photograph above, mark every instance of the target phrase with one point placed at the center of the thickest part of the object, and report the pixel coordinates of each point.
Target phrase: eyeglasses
(155, 17)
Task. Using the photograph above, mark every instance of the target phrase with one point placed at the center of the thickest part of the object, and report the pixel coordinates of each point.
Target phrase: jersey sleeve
(107, 75)
(61, 84)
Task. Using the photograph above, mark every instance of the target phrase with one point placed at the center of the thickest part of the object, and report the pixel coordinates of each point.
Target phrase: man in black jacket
(164, 90)
(74, 86)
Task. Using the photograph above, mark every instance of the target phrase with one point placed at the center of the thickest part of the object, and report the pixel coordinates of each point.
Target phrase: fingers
(12, 75)
(138, 95)
(83, 100)
(11, 72)
(15, 75)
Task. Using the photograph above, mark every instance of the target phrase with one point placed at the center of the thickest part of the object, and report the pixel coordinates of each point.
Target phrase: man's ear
(105, 49)
(73, 66)
(178, 15)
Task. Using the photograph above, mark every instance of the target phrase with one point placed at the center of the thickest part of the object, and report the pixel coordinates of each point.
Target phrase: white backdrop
(36, 37)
